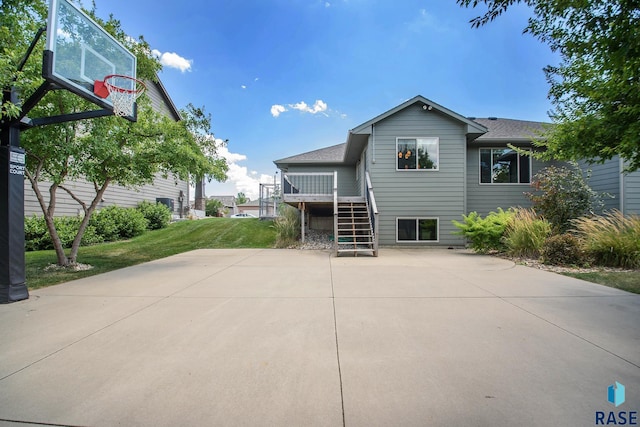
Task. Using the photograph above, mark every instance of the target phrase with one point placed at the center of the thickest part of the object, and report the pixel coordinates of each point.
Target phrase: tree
(213, 207)
(105, 150)
(595, 89)
(241, 199)
(562, 195)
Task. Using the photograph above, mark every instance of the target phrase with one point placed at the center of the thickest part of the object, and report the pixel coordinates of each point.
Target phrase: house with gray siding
(170, 190)
(403, 176)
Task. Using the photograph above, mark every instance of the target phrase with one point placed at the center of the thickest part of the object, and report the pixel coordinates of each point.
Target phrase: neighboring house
(169, 190)
(252, 207)
(403, 176)
(228, 204)
(261, 208)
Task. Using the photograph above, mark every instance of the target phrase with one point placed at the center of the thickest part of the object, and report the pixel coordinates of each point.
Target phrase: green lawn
(627, 281)
(211, 233)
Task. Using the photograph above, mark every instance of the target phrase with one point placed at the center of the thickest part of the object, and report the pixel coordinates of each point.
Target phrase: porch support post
(303, 216)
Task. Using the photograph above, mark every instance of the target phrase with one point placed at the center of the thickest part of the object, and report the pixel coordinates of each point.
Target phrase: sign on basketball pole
(83, 58)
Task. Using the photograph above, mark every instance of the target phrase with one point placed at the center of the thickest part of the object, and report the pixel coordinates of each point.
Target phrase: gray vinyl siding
(418, 194)
(115, 195)
(631, 190)
(605, 180)
(484, 198)
(158, 101)
(347, 183)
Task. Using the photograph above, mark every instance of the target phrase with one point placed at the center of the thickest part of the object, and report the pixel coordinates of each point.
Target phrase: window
(504, 166)
(417, 229)
(417, 153)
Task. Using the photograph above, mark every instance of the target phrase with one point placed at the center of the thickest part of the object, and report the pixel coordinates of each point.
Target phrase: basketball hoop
(122, 90)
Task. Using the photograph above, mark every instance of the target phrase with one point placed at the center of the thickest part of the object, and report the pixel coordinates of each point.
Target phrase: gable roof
(472, 126)
(333, 154)
(501, 130)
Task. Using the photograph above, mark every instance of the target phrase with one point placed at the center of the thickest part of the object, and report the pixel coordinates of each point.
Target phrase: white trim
(437, 240)
(491, 167)
(416, 138)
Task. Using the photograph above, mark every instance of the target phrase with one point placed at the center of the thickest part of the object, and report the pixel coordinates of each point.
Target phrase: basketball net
(123, 92)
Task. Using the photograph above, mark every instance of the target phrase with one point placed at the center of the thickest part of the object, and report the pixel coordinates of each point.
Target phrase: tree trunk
(75, 246)
(48, 212)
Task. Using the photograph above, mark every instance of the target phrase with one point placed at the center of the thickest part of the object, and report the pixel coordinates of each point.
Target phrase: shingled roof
(509, 129)
(333, 154)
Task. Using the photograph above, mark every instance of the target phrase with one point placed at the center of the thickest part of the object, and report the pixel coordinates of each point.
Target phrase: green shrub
(287, 226)
(115, 223)
(485, 234)
(525, 233)
(562, 195)
(158, 215)
(612, 239)
(563, 249)
(35, 229)
(213, 207)
(37, 236)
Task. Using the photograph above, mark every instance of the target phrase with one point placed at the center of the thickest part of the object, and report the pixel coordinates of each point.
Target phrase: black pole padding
(13, 285)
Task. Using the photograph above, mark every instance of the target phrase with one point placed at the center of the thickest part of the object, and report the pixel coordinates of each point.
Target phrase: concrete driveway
(299, 338)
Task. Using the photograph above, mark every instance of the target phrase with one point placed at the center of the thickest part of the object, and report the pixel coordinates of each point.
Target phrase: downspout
(373, 143)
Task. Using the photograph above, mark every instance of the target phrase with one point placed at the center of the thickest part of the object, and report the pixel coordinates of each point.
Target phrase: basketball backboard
(79, 52)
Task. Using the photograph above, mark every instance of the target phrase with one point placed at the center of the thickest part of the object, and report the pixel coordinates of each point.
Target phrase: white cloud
(223, 151)
(245, 181)
(276, 110)
(243, 86)
(173, 60)
(327, 4)
(318, 107)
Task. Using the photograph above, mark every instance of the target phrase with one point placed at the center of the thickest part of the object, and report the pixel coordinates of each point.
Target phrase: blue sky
(281, 77)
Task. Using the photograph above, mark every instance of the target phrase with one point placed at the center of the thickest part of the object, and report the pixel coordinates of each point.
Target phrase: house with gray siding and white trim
(403, 176)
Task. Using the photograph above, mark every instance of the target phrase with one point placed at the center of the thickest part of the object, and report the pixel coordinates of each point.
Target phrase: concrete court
(255, 337)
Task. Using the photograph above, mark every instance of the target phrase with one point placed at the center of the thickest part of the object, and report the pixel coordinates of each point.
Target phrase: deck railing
(309, 183)
(335, 213)
(373, 213)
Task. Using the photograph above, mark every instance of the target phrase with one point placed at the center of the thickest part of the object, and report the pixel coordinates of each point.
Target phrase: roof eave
(167, 99)
(472, 127)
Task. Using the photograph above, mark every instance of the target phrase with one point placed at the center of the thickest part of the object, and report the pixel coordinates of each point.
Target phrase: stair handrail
(335, 212)
(373, 212)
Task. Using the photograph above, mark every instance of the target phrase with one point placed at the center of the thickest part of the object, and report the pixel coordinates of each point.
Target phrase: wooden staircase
(355, 233)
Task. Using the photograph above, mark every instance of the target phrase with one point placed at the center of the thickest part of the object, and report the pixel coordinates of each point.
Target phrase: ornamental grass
(612, 239)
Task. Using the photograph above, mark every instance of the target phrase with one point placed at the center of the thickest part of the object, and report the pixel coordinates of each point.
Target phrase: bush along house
(403, 176)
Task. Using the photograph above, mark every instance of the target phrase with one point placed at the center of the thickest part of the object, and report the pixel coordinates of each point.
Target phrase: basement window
(417, 229)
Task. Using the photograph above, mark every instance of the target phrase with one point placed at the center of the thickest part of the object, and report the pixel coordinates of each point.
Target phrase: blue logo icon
(615, 394)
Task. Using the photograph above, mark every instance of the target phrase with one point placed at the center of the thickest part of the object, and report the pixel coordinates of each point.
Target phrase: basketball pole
(13, 286)
(13, 280)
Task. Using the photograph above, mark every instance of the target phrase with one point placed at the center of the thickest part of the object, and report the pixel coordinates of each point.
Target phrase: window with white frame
(504, 166)
(417, 153)
(417, 229)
